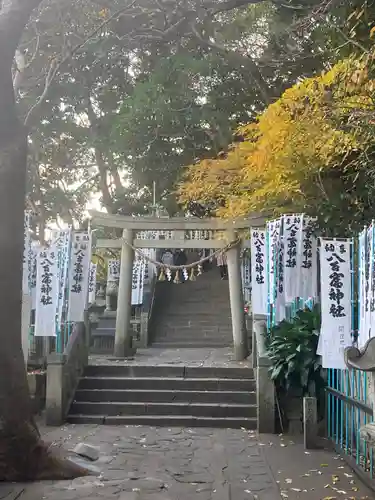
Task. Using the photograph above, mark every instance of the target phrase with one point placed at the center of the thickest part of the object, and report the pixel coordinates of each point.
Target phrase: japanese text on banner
(273, 229)
(92, 283)
(46, 293)
(292, 225)
(259, 288)
(79, 275)
(336, 288)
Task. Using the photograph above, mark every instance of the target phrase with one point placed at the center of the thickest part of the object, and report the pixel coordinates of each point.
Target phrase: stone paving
(142, 463)
(202, 357)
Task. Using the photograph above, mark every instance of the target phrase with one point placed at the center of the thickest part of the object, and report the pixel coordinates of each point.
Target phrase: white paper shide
(336, 289)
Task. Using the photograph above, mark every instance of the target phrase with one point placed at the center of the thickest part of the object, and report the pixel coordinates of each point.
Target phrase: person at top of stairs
(221, 261)
(180, 259)
(167, 258)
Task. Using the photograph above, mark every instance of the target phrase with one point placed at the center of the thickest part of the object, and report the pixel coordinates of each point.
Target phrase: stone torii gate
(131, 225)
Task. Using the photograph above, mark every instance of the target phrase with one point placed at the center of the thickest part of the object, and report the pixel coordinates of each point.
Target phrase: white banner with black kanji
(273, 230)
(113, 271)
(259, 285)
(92, 283)
(79, 267)
(26, 253)
(336, 297)
(46, 292)
(62, 240)
(307, 260)
(292, 231)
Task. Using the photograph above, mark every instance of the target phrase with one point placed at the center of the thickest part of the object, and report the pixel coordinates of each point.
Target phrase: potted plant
(296, 368)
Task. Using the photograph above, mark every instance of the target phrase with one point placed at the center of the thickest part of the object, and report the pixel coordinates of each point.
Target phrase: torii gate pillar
(123, 335)
(240, 343)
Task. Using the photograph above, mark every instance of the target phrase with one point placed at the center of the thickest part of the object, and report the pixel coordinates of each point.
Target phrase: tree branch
(56, 65)
(246, 61)
(14, 15)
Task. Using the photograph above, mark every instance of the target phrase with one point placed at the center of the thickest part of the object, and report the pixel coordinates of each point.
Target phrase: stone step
(191, 329)
(167, 383)
(146, 396)
(188, 333)
(207, 320)
(200, 341)
(177, 309)
(166, 421)
(118, 409)
(174, 337)
(192, 344)
(165, 371)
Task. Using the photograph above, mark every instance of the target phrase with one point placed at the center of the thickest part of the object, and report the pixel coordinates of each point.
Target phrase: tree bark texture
(23, 456)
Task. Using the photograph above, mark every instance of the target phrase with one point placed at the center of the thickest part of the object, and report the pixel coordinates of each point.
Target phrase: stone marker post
(265, 397)
(310, 422)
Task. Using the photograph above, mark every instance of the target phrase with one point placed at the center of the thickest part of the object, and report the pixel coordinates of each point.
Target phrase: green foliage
(292, 351)
(157, 104)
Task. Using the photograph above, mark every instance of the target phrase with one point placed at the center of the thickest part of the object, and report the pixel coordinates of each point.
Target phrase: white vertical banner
(292, 230)
(46, 292)
(307, 259)
(26, 252)
(371, 319)
(369, 251)
(35, 249)
(259, 285)
(79, 275)
(138, 280)
(362, 288)
(146, 271)
(25, 325)
(336, 295)
(113, 272)
(246, 277)
(280, 289)
(273, 229)
(92, 283)
(62, 239)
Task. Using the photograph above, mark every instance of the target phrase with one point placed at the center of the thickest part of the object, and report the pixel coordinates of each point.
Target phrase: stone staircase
(192, 314)
(166, 396)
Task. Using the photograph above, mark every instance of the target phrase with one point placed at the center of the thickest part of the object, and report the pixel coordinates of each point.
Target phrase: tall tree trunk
(23, 455)
(103, 182)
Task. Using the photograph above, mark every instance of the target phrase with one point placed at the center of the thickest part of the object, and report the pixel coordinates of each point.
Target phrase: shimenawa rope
(186, 266)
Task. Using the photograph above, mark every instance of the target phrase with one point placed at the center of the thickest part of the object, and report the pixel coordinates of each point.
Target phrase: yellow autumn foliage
(309, 131)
